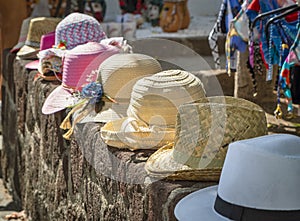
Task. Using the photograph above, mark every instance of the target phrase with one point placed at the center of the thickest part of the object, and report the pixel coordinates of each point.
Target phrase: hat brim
(109, 112)
(59, 99)
(17, 47)
(33, 65)
(161, 164)
(28, 52)
(199, 206)
(120, 134)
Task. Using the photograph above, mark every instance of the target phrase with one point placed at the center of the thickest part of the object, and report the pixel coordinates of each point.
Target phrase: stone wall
(81, 179)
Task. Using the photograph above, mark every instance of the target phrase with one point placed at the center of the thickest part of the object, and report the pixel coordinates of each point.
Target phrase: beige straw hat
(37, 28)
(204, 130)
(118, 74)
(152, 110)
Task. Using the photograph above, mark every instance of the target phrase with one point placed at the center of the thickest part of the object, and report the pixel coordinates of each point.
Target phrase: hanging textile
(219, 27)
(228, 10)
(289, 80)
(270, 49)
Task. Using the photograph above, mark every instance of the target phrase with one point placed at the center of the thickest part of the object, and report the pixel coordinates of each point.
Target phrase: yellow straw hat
(117, 75)
(37, 28)
(152, 110)
(204, 130)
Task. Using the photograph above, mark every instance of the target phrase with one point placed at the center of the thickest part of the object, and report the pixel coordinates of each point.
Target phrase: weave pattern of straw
(38, 27)
(161, 94)
(204, 130)
(222, 120)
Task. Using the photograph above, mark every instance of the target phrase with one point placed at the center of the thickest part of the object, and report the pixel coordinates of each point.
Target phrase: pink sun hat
(47, 41)
(77, 29)
(79, 68)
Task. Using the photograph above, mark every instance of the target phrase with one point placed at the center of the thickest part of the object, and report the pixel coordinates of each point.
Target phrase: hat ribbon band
(241, 213)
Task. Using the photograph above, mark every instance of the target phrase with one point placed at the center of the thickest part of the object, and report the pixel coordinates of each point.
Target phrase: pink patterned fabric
(77, 29)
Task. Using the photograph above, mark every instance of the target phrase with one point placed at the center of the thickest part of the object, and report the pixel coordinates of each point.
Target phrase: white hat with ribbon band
(259, 182)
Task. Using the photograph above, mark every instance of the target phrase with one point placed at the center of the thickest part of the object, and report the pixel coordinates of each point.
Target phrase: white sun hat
(259, 182)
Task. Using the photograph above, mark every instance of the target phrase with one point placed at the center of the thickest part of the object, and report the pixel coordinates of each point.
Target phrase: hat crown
(47, 41)
(155, 99)
(77, 29)
(205, 128)
(24, 29)
(120, 72)
(39, 27)
(80, 63)
(263, 173)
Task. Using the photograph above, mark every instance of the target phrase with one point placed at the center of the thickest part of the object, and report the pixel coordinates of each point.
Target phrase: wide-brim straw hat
(37, 28)
(203, 132)
(79, 68)
(23, 35)
(259, 182)
(118, 74)
(152, 110)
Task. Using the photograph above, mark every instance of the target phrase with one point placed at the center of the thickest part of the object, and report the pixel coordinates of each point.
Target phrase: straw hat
(77, 29)
(259, 181)
(152, 110)
(117, 75)
(37, 27)
(78, 70)
(22, 36)
(203, 132)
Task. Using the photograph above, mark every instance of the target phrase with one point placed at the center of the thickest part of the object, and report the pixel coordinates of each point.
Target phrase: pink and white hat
(47, 41)
(79, 65)
(77, 29)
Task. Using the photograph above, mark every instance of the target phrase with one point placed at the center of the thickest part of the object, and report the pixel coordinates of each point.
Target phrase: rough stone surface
(81, 179)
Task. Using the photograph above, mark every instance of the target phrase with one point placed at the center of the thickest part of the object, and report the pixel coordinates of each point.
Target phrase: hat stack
(77, 29)
(204, 130)
(259, 181)
(79, 65)
(152, 110)
(37, 28)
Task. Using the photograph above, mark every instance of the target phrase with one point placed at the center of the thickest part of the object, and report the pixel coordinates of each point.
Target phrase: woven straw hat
(259, 182)
(37, 27)
(117, 75)
(23, 34)
(152, 110)
(79, 65)
(77, 29)
(203, 132)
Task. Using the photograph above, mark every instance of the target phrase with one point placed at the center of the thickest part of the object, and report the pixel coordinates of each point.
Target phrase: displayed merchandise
(37, 27)
(79, 66)
(174, 16)
(259, 181)
(117, 75)
(23, 35)
(77, 29)
(204, 130)
(152, 110)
